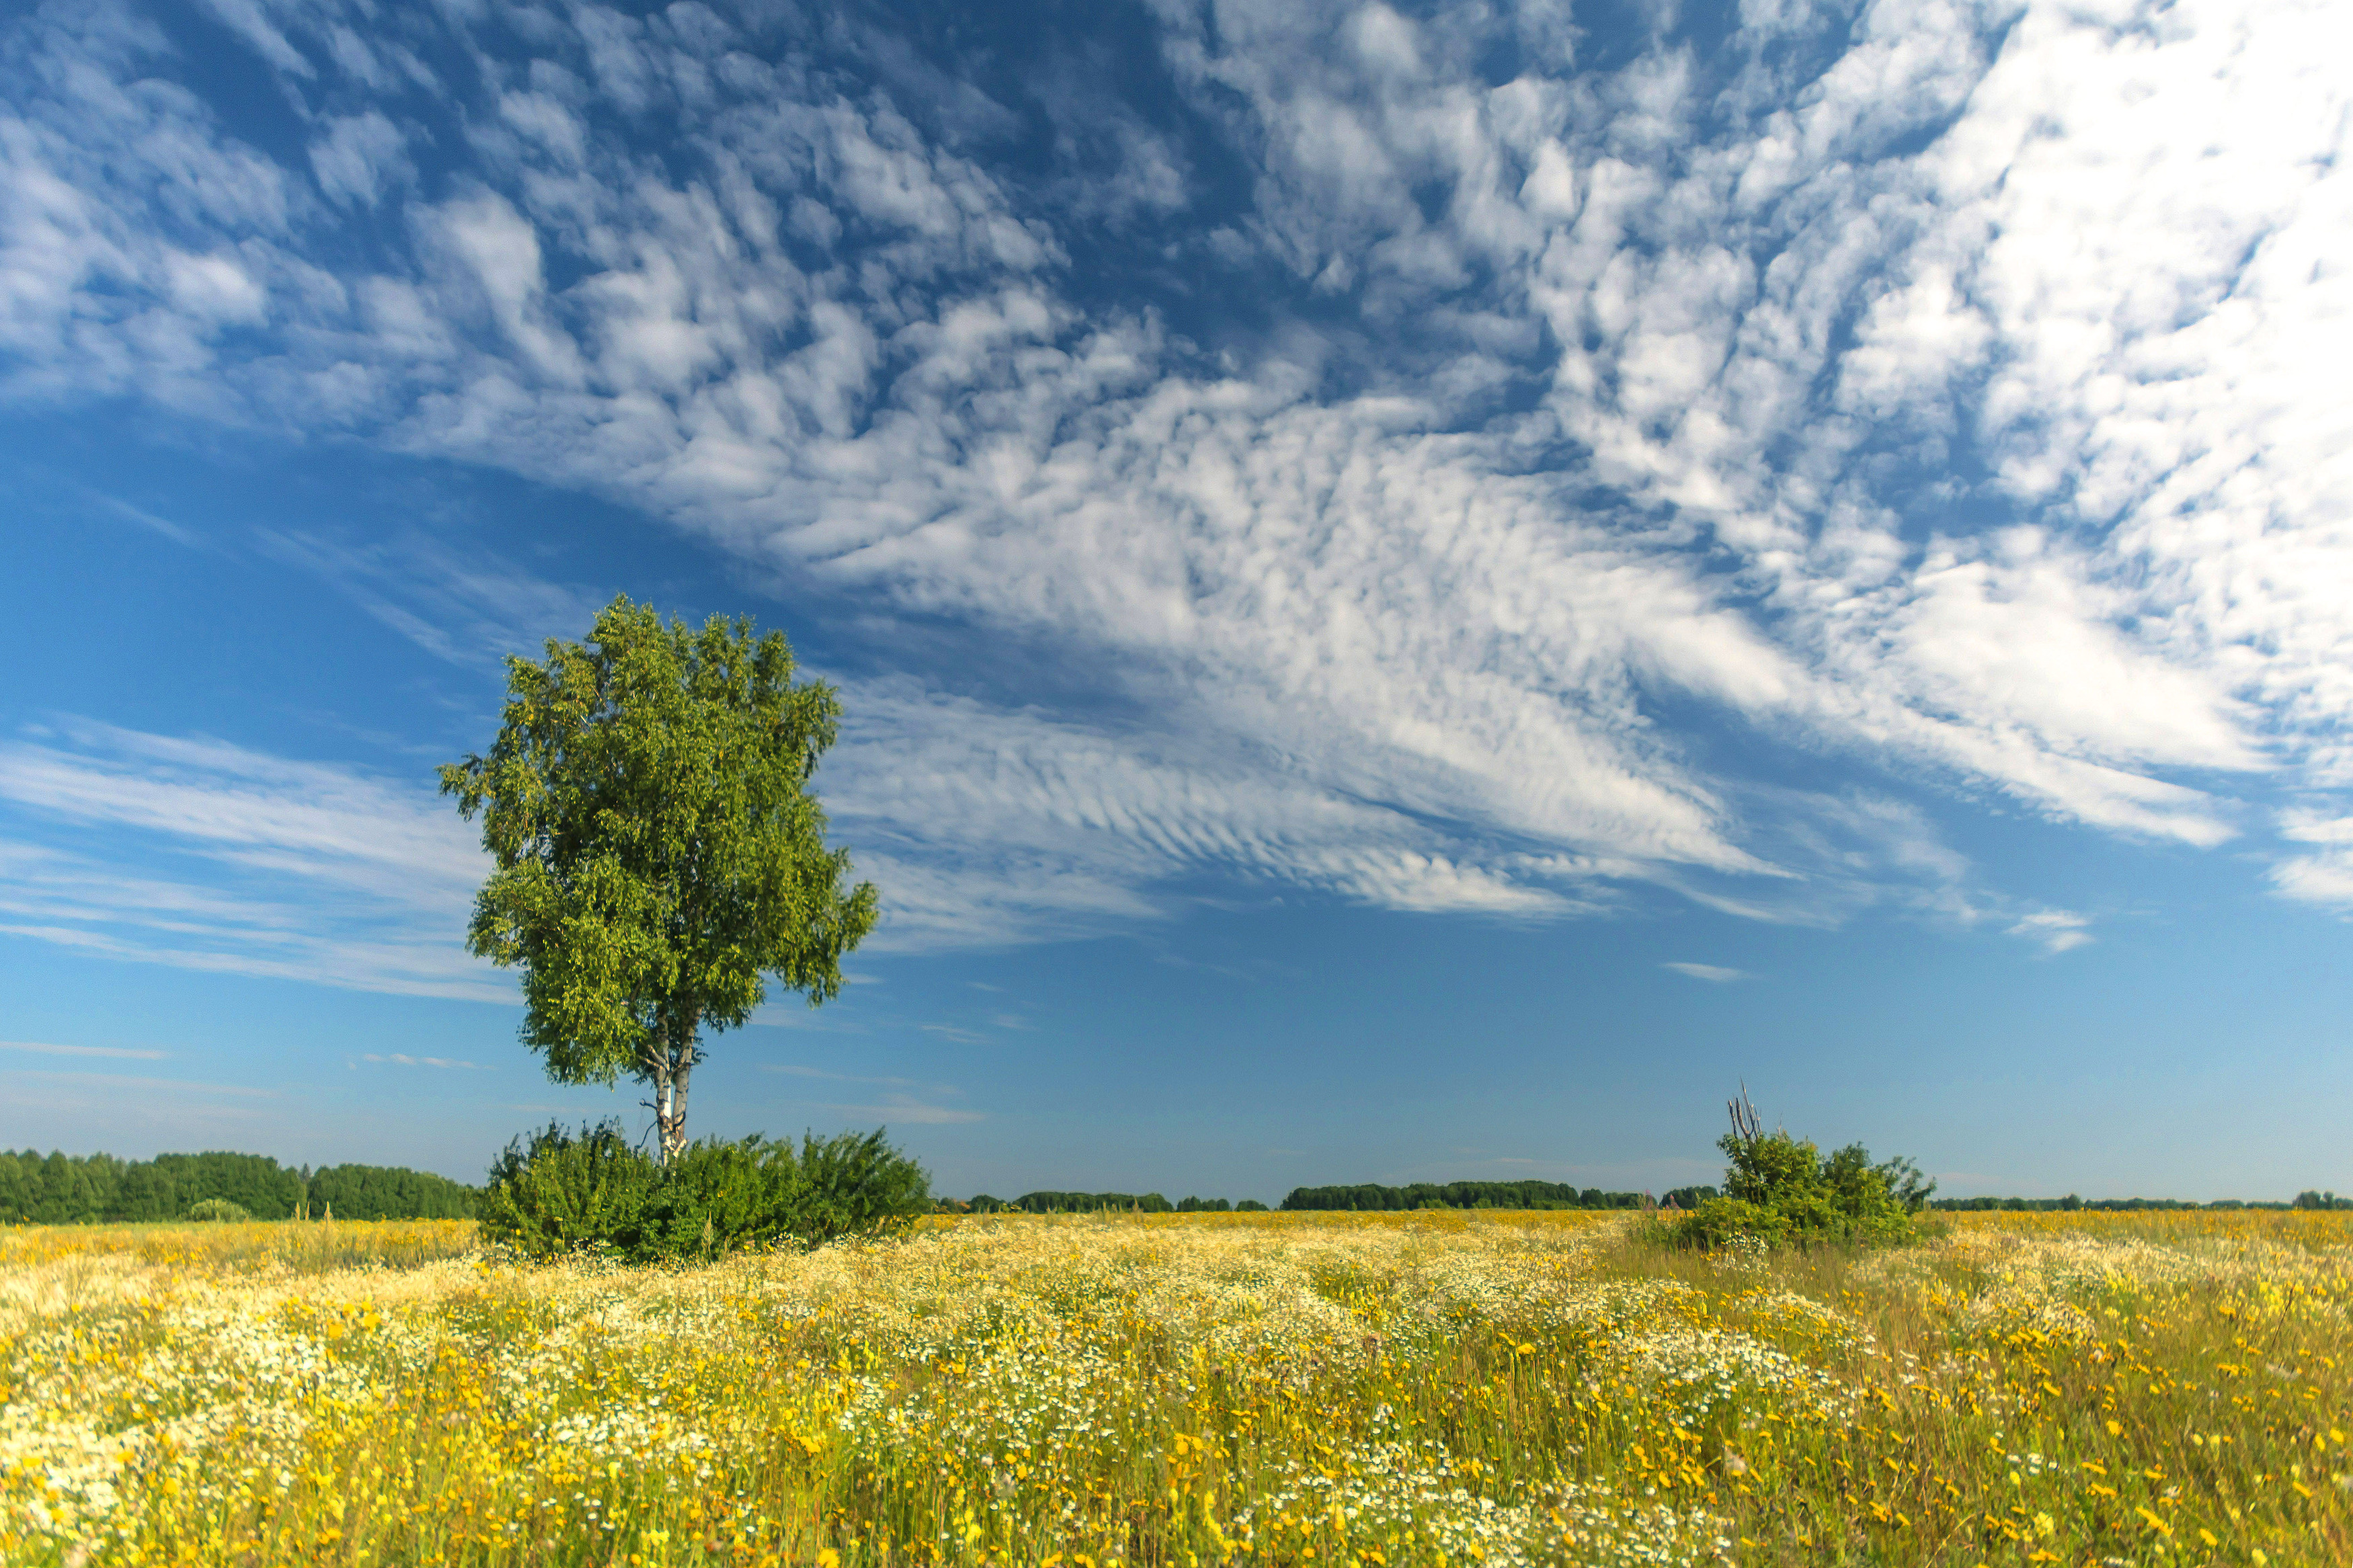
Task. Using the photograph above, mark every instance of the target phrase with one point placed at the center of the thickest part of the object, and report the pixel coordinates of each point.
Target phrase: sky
(1419, 593)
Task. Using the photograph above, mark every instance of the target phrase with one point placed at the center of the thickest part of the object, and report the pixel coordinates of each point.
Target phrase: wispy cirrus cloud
(49, 1051)
(206, 856)
(124, 1111)
(905, 1110)
(1715, 973)
(907, 1100)
(795, 1069)
(129, 1081)
(1829, 388)
(2054, 930)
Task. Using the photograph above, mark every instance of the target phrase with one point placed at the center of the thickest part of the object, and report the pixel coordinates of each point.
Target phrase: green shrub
(218, 1209)
(717, 1198)
(855, 1185)
(566, 1194)
(1782, 1190)
(594, 1192)
(1716, 1221)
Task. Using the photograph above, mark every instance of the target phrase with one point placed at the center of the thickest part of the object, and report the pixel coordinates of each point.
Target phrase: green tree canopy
(658, 850)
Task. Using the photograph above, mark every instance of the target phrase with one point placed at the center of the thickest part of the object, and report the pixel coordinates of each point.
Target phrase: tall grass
(1192, 1389)
(297, 1246)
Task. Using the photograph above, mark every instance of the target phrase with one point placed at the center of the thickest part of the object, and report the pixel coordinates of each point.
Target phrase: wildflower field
(1257, 1389)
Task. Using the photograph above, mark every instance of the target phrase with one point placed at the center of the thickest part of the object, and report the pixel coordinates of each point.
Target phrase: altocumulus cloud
(1949, 386)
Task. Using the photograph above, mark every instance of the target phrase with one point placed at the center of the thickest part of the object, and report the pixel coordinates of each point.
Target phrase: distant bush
(563, 1192)
(218, 1209)
(1782, 1190)
(1250, 1206)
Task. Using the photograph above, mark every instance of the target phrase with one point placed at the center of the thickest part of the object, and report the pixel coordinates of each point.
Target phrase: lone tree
(658, 850)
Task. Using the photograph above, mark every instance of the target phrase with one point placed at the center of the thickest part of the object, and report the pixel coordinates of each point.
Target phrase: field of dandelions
(1196, 1389)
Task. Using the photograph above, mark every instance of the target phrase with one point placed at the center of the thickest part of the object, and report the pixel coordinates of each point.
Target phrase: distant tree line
(2307, 1200)
(1482, 1195)
(67, 1189)
(1098, 1203)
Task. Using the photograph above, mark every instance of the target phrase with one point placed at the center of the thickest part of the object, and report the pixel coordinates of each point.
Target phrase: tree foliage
(657, 851)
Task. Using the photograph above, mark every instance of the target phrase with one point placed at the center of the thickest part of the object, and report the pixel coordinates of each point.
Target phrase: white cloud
(906, 1100)
(2055, 931)
(81, 1050)
(127, 1114)
(903, 1107)
(461, 608)
(1715, 973)
(118, 1081)
(935, 1090)
(250, 20)
(1685, 385)
(2324, 875)
(361, 158)
(245, 863)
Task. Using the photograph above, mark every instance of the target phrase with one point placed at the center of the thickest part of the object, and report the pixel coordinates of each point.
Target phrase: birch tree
(658, 854)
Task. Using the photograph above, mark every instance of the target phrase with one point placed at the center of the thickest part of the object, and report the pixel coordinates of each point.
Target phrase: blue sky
(1419, 592)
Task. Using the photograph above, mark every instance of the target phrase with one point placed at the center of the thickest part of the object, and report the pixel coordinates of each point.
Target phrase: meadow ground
(1185, 1389)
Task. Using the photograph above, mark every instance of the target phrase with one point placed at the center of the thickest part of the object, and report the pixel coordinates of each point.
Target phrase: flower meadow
(1112, 1392)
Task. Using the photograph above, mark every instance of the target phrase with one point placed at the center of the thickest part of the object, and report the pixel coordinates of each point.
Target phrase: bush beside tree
(563, 1192)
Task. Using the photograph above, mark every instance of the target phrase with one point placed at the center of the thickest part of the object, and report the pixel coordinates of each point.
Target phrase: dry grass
(1186, 1390)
